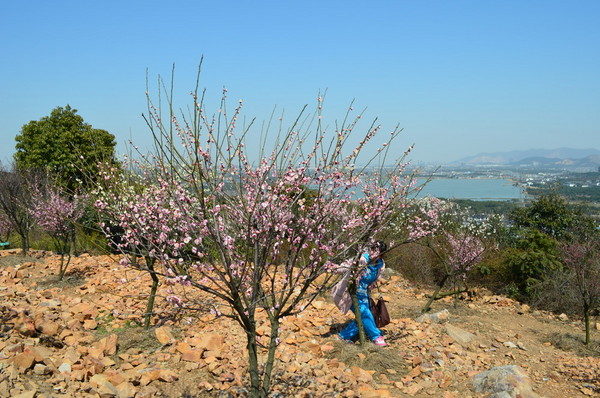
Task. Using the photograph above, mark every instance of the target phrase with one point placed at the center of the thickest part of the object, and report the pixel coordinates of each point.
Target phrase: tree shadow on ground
(72, 278)
(13, 260)
(334, 329)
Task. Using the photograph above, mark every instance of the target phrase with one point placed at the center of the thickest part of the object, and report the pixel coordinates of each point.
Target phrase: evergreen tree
(65, 146)
(552, 215)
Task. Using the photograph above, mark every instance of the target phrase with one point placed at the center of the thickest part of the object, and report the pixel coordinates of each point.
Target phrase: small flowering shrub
(122, 195)
(582, 259)
(457, 241)
(260, 234)
(57, 215)
(465, 252)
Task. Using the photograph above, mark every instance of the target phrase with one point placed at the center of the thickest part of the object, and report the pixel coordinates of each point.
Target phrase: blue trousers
(351, 331)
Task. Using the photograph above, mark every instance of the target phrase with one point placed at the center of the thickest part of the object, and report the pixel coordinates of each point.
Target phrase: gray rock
(41, 369)
(435, 318)
(507, 381)
(50, 303)
(461, 336)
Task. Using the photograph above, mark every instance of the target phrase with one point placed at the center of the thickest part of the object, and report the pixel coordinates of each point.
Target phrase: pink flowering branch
(465, 251)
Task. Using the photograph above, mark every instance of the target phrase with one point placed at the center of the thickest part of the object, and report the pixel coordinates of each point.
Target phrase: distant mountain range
(554, 158)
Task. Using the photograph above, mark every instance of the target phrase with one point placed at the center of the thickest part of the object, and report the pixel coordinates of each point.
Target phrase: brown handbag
(380, 312)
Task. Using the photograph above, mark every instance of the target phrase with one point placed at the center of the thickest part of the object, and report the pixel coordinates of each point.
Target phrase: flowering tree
(57, 215)
(15, 200)
(260, 236)
(124, 194)
(455, 239)
(5, 226)
(583, 260)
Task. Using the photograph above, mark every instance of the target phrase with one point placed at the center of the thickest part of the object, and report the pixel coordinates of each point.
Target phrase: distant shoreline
(474, 188)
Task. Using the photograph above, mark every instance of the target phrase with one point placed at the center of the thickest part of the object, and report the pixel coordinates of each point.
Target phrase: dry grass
(575, 344)
(369, 357)
(137, 338)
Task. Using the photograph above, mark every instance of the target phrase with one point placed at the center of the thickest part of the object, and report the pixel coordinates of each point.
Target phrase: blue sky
(461, 77)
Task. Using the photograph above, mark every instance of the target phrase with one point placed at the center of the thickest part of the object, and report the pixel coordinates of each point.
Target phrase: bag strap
(378, 291)
(377, 283)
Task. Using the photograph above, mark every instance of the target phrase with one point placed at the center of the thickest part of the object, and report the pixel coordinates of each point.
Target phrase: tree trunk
(63, 267)
(435, 294)
(150, 305)
(72, 242)
(456, 293)
(253, 368)
(266, 385)
(362, 337)
(586, 317)
(446, 294)
(24, 244)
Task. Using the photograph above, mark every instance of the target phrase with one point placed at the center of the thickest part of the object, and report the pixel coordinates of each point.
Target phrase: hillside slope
(77, 339)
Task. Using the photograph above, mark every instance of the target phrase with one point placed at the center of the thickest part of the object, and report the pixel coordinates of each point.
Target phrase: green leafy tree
(535, 254)
(537, 231)
(65, 146)
(552, 215)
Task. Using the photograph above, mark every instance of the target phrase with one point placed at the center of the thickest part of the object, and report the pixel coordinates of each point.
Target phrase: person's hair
(379, 244)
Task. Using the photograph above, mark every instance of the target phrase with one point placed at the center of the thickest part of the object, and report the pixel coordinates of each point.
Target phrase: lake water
(472, 188)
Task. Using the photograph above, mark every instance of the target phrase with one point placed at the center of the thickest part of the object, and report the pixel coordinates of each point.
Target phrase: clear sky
(461, 77)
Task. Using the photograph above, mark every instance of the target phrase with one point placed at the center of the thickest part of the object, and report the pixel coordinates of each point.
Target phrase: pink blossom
(55, 213)
(465, 252)
(174, 300)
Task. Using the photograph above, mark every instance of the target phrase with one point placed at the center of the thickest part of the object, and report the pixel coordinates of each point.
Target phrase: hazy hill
(560, 157)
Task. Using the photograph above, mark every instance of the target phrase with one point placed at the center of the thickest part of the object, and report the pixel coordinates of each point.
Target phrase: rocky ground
(81, 338)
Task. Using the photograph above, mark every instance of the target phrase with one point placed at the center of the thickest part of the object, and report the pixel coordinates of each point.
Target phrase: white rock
(65, 367)
(563, 317)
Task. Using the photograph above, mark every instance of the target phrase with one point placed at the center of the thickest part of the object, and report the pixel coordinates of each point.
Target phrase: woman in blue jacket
(374, 265)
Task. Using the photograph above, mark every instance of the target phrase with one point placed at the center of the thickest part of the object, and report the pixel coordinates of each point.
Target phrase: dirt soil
(81, 338)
